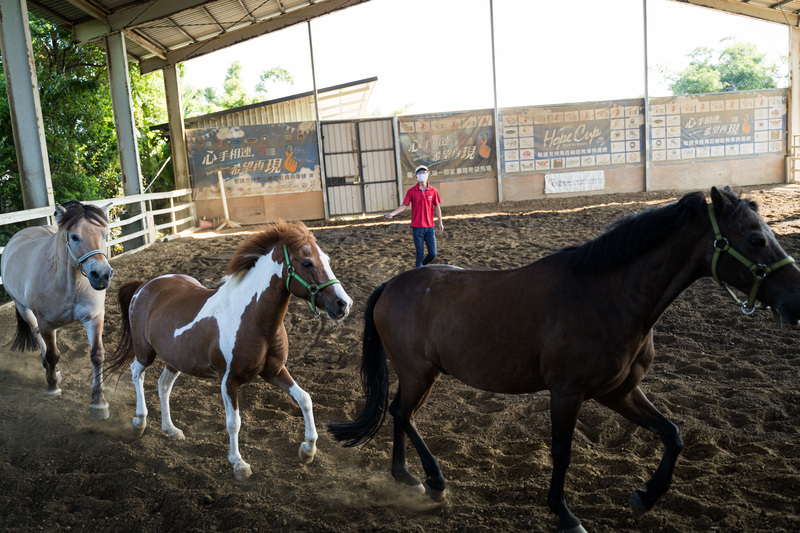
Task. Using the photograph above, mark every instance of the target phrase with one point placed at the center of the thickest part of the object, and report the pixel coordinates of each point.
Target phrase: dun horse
(57, 275)
(233, 333)
(578, 323)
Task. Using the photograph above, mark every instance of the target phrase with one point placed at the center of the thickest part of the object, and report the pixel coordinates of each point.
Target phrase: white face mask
(422, 177)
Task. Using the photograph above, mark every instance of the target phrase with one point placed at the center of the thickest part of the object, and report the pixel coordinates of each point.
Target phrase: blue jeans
(428, 237)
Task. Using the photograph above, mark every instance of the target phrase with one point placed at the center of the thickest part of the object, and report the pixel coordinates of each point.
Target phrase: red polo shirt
(422, 204)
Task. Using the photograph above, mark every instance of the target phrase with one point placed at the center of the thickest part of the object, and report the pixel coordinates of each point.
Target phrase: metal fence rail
(184, 206)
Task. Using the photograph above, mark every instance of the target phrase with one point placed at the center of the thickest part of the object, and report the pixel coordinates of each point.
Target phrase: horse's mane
(293, 235)
(635, 234)
(76, 210)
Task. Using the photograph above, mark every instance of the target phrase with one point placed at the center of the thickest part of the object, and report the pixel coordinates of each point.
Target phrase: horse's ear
(105, 208)
(59, 212)
(721, 201)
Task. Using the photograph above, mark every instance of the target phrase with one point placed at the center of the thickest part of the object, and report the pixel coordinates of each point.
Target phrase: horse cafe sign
(254, 160)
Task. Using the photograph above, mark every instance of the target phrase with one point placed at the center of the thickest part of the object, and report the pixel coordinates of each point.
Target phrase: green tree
(736, 67)
(234, 93)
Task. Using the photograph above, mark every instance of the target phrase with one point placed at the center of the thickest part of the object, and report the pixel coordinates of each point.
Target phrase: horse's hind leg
(165, 382)
(308, 449)
(94, 330)
(233, 422)
(139, 422)
(400, 471)
(47, 345)
(637, 408)
(403, 409)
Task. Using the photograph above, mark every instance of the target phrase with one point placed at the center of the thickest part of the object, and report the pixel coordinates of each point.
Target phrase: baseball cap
(421, 167)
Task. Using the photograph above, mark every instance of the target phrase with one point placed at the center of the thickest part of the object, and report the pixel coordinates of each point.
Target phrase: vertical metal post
(646, 139)
(793, 115)
(319, 126)
(496, 114)
(125, 127)
(177, 142)
(24, 106)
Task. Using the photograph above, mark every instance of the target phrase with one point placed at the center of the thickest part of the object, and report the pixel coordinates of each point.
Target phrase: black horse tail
(123, 355)
(24, 339)
(374, 379)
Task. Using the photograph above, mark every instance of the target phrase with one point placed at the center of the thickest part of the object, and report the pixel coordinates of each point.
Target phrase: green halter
(759, 271)
(312, 288)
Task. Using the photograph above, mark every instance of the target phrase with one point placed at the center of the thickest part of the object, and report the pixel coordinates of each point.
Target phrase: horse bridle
(759, 271)
(312, 288)
(84, 257)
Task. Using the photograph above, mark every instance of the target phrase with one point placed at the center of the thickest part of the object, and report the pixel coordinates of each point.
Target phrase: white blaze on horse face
(228, 304)
(337, 287)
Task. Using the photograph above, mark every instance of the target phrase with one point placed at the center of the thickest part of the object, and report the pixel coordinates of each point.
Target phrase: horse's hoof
(306, 457)
(575, 529)
(435, 494)
(138, 426)
(99, 412)
(175, 434)
(242, 472)
(418, 489)
(53, 392)
(638, 506)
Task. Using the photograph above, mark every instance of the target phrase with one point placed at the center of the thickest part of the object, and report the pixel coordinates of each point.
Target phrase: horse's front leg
(637, 408)
(233, 422)
(308, 449)
(165, 383)
(50, 357)
(94, 330)
(139, 422)
(564, 410)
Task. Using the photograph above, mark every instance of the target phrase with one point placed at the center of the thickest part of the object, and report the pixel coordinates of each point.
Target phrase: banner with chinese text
(451, 145)
(254, 160)
(719, 125)
(590, 135)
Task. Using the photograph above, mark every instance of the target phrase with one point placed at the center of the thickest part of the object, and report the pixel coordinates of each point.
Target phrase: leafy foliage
(234, 93)
(78, 121)
(736, 67)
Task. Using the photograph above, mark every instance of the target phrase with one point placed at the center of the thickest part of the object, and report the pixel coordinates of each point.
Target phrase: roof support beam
(749, 10)
(126, 18)
(249, 32)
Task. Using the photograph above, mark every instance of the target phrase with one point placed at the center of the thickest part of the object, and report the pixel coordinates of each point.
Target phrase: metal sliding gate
(360, 166)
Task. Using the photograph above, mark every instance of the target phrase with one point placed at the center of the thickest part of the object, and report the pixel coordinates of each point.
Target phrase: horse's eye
(758, 242)
(306, 263)
(75, 238)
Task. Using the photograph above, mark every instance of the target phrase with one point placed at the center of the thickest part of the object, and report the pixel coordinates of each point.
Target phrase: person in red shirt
(424, 200)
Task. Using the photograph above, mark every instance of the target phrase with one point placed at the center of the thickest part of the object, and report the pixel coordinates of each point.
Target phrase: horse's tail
(374, 379)
(123, 355)
(24, 339)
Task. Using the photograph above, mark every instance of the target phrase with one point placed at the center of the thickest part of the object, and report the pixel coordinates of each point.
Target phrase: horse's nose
(100, 280)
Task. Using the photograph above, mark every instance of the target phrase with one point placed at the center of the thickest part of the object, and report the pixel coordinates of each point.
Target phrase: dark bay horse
(58, 275)
(578, 323)
(233, 333)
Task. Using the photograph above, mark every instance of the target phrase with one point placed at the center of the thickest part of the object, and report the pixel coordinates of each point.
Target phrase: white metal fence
(180, 211)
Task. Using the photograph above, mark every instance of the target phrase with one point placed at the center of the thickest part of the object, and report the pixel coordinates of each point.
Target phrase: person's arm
(438, 210)
(397, 211)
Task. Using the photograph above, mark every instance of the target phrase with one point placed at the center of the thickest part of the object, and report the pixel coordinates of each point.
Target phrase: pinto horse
(578, 323)
(233, 333)
(58, 275)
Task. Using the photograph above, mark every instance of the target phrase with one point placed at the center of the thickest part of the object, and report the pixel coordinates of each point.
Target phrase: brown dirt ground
(732, 384)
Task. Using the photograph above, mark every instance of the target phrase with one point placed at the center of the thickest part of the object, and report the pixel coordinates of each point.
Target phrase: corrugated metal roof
(166, 32)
